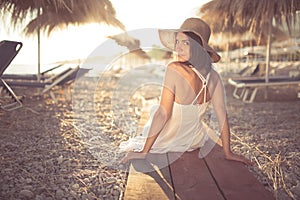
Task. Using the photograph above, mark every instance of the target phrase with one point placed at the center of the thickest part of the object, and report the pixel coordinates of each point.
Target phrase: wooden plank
(149, 179)
(185, 176)
(191, 178)
(234, 179)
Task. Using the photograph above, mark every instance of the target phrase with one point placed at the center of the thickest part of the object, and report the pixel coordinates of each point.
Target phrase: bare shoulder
(214, 75)
(175, 68)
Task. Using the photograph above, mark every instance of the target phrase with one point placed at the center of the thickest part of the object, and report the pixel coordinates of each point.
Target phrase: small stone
(116, 187)
(28, 187)
(102, 191)
(115, 193)
(84, 196)
(59, 194)
(75, 186)
(5, 187)
(27, 194)
(111, 180)
(60, 159)
(73, 193)
(296, 189)
(39, 197)
(86, 180)
(91, 196)
(109, 196)
(281, 194)
(28, 180)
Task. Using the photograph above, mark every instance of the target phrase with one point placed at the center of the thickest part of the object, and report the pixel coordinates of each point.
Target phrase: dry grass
(269, 165)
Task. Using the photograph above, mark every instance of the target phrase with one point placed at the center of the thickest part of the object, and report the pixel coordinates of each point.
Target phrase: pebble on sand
(26, 194)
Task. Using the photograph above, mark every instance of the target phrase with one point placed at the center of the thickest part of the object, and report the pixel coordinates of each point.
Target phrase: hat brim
(168, 37)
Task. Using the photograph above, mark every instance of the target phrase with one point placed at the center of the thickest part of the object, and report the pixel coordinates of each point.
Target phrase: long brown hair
(200, 58)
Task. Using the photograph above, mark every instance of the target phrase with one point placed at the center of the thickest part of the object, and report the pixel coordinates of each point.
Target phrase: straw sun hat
(195, 25)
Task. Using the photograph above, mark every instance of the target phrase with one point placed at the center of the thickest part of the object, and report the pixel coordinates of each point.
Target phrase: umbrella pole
(39, 56)
(269, 42)
(39, 49)
(268, 56)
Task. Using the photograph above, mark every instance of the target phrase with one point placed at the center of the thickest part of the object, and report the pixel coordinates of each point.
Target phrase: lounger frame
(245, 88)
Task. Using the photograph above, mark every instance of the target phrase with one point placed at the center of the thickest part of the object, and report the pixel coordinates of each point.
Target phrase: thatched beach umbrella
(126, 40)
(47, 15)
(131, 43)
(220, 16)
(257, 16)
(229, 37)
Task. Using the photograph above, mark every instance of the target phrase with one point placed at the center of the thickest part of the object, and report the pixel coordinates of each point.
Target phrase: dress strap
(204, 84)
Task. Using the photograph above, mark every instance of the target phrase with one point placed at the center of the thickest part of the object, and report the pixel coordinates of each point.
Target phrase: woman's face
(182, 47)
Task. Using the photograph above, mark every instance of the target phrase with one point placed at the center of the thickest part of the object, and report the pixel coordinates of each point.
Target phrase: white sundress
(184, 131)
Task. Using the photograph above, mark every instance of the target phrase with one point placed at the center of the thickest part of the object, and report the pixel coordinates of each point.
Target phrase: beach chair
(251, 71)
(8, 51)
(62, 80)
(44, 75)
(245, 88)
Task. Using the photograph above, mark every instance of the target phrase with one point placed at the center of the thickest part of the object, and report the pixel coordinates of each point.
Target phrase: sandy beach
(69, 149)
(65, 144)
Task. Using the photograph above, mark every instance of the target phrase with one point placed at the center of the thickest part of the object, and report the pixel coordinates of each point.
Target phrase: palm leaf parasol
(46, 15)
(257, 16)
(131, 43)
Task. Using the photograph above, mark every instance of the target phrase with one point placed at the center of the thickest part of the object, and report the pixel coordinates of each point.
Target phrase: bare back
(187, 85)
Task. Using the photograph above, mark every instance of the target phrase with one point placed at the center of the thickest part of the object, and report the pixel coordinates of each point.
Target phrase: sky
(156, 13)
(76, 43)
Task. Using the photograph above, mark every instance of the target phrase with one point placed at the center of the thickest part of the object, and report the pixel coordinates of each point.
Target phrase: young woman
(190, 84)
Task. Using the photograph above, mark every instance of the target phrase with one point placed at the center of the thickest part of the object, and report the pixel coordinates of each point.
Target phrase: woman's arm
(164, 110)
(160, 117)
(219, 105)
(225, 137)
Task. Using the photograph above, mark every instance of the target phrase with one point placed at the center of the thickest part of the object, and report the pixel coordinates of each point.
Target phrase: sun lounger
(250, 71)
(44, 75)
(8, 51)
(246, 88)
(61, 79)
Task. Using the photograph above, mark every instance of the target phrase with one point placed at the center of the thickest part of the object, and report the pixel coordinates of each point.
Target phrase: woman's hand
(133, 155)
(239, 158)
